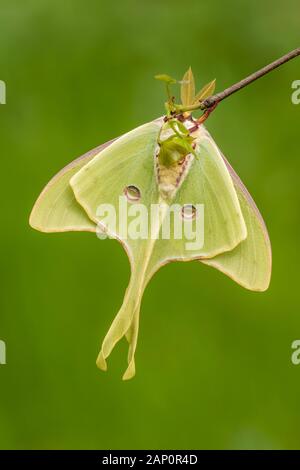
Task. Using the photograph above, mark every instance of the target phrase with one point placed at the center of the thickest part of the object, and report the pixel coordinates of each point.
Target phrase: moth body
(173, 159)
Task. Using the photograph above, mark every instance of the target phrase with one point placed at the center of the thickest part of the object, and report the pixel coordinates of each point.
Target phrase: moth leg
(207, 113)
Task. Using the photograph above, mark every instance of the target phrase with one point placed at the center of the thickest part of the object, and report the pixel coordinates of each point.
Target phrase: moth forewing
(250, 263)
(224, 195)
(56, 209)
(128, 162)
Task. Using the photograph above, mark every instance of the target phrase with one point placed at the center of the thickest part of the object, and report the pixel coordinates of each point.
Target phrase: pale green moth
(171, 160)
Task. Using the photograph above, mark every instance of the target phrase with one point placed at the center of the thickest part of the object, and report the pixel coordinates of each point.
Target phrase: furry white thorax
(169, 179)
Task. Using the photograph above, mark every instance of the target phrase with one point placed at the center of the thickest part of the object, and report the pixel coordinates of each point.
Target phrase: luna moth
(171, 161)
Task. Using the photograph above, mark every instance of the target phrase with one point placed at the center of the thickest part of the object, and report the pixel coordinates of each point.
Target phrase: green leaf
(165, 78)
(188, 88)
(205, 92)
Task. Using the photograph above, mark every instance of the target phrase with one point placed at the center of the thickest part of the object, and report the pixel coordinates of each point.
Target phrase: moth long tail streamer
(126, 323)
(132, 336)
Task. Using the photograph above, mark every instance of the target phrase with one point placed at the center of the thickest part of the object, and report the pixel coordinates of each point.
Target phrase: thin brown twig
(246, 81)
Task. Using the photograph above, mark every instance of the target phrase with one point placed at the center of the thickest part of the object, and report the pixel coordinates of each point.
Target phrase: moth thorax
(169, 179)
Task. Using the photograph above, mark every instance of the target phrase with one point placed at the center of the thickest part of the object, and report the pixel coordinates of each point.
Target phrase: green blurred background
(214, 360)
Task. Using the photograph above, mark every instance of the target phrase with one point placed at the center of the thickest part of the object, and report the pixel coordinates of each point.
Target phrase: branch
(215, 99)
(246, 81)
